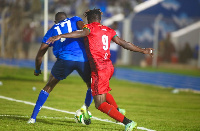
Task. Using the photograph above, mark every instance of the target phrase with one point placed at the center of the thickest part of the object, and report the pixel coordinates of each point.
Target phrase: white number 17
(68, 22)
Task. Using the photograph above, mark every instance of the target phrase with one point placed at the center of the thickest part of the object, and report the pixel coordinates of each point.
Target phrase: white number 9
(105, 42)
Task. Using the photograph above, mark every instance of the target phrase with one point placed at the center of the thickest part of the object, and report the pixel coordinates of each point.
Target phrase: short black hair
(94, 14)
(60, 16)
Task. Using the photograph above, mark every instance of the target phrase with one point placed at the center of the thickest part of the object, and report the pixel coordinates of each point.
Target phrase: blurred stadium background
(171, 27)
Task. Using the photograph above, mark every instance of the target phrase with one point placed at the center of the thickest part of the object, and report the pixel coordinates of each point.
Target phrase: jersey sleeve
(113, 33)
(47, 36)
(87, 26)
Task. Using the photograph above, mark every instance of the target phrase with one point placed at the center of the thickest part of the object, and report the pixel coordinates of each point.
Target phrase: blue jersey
(67, 48)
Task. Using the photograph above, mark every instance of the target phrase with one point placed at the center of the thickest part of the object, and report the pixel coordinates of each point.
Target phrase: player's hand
(53, 39)
(37, 72)
(149, 51)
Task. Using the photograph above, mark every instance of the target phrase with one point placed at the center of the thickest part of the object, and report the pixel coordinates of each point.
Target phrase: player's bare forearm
(132, 47)
(75, 34)
(38, 59)
(38, 62)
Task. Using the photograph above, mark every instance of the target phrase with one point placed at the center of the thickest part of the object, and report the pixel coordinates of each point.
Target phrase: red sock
(111, 111)
(110, 100)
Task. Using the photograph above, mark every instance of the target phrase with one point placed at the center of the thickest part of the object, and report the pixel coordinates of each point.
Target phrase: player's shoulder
(88, 26)
(52, 28)
(107, 28)
(76, 18)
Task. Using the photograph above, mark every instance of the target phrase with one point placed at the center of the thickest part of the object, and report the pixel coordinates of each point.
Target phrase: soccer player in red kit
(99, 56)
(97, 44)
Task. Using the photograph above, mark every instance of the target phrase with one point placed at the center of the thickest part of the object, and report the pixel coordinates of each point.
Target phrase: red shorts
(100, 79)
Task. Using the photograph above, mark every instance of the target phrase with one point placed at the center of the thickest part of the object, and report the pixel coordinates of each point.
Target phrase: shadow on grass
(21, 78)
(39, 120)
(67, 123)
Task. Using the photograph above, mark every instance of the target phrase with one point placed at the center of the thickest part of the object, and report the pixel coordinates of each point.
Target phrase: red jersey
(98, 42)
(97, 45)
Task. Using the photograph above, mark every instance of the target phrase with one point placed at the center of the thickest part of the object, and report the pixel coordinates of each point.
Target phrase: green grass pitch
(152, 107)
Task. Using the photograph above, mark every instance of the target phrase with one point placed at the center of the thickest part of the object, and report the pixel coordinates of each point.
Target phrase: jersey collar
(97, 23)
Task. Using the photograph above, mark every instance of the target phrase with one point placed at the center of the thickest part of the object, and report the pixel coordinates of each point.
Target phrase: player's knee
(97, 106)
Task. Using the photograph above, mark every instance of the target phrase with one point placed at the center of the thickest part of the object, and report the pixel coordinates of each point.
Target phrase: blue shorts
(63, 68)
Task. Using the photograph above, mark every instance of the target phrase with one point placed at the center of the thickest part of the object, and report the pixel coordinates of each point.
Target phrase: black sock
(126, 121)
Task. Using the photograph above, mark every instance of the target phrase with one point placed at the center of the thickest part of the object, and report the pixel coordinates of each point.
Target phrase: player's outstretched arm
(75, 34)
(132, 47)
(38, 59)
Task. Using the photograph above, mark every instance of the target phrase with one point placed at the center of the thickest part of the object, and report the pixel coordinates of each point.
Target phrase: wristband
(38, 71)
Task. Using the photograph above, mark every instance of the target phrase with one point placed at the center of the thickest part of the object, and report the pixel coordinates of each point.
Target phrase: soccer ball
(79, 117)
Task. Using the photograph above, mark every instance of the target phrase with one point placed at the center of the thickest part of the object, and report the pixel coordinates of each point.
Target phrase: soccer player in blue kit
(70, 54)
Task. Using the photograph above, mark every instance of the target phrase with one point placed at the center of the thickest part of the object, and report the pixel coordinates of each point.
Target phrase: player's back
(99, 40)
(67, 48)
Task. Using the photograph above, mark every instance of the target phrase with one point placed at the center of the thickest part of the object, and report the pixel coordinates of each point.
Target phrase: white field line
(46, 117)
(54, 109)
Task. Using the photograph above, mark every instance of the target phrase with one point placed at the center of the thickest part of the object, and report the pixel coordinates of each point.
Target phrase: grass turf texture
(150, 106)
(173, 69)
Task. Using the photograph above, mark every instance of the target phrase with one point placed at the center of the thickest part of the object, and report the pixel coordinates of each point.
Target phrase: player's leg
(43, 97)
(102, 105)
(111, 100)
(110, 110)
(84, 108)
(109, 97)
(83, 68)
(88, 98)
(59, 72)
(100, 87)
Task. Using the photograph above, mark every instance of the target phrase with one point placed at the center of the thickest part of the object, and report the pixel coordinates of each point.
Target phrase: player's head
(93, 15)
(60, 16)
